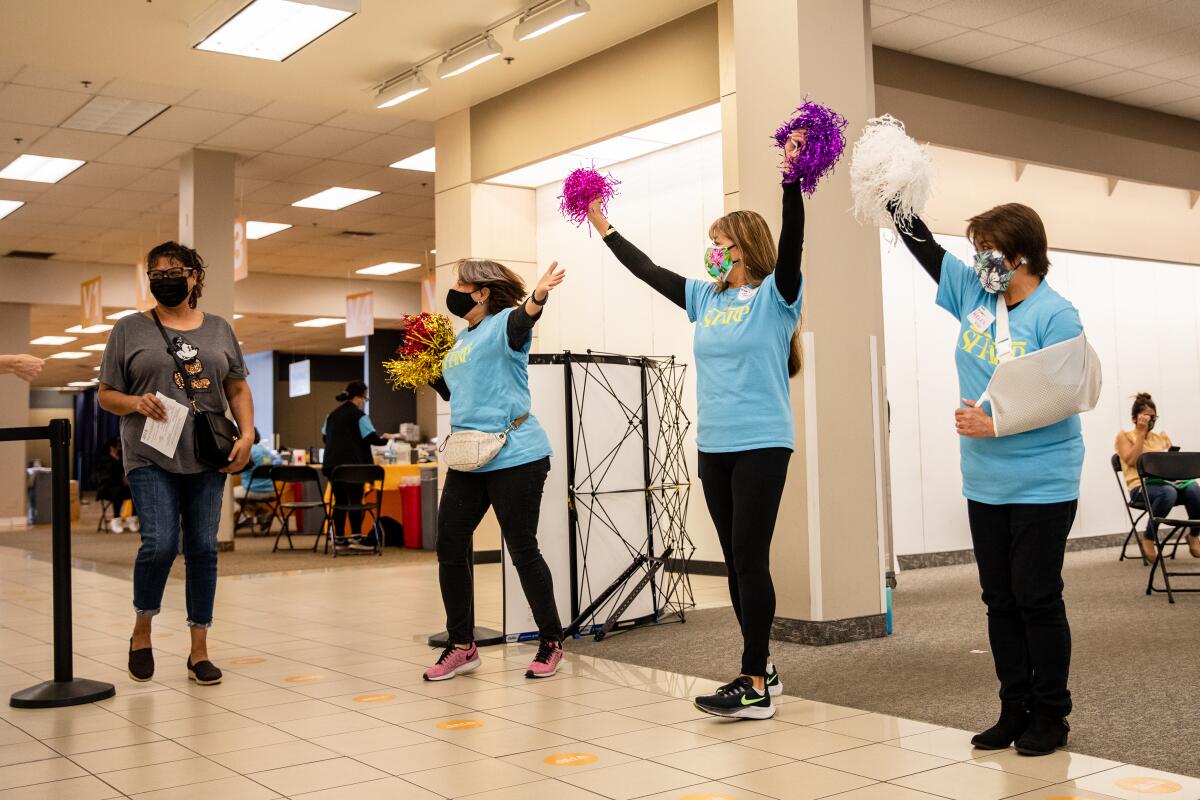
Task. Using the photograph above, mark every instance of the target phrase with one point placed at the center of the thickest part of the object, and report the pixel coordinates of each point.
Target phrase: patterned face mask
(994, 276)
(718, 262)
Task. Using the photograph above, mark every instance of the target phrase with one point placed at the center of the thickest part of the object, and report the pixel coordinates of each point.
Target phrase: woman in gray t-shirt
(174, 493)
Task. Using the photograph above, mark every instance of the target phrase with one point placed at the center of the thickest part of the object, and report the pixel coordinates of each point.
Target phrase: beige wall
(40, 417)
(14, 412)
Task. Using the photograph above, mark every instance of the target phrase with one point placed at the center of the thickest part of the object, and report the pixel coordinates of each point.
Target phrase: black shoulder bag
(214, 433)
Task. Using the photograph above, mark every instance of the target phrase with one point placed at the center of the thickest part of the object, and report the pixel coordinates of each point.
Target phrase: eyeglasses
(174, 272)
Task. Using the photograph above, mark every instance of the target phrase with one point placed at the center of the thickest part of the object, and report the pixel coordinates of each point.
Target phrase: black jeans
(742, 491)
(516, 494)
(347, 494)
(1019, 551)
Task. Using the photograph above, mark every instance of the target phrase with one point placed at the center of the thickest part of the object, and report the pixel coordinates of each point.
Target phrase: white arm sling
(1042, 387)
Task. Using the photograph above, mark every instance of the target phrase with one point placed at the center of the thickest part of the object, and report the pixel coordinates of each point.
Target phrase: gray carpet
(1127, 648)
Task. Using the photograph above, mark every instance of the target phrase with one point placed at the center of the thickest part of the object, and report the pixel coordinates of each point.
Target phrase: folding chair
(1131, 505)
(359, 474)
(283, 475)
(106, 514)
(249, 506)
(1168, 467)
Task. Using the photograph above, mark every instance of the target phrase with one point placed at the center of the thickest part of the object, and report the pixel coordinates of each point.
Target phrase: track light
(469, 57)
(393, 93)
(549, 17)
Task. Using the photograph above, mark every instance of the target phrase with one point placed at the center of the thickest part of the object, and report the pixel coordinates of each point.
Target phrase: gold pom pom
(428, 339)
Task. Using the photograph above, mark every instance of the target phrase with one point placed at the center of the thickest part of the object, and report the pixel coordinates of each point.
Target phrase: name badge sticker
(747, 291)
(981, 319)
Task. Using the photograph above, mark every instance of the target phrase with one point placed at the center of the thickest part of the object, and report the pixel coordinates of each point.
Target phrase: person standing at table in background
(349, 434)
(175, 495)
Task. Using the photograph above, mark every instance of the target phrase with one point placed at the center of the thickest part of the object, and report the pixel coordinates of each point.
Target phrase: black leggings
(347, 494)
(516, 494)
(742, 491)
(1019, 551)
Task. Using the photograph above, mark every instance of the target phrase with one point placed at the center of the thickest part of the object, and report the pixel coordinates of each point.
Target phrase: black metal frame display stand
(65, 689)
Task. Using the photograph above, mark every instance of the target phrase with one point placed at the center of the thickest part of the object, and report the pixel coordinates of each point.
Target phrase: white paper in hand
(164, 436)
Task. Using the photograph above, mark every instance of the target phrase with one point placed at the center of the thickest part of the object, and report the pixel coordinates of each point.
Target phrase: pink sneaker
(454, 661)
(545, 663)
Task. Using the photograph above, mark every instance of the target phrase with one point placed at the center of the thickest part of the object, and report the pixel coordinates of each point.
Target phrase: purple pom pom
(824, 141)
(580, 188)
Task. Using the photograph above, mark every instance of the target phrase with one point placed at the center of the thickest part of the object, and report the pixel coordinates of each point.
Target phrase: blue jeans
(1164, 497)
(168, 505)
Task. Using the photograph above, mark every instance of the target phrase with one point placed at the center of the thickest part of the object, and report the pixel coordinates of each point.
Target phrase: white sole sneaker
(470, 666)
(745, 712)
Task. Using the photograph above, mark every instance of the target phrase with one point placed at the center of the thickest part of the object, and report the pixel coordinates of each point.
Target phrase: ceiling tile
(324, 142)
(70, 194)
(378, 122)
(28, 134)
(191, 125)
(417, 129)
(1117, 83)
(8, 70)
(155, 93)
(20, 190)
(881, 15)
(1071, 72)
(46, 212)
(213, 100)
(1107, 35)
(84, 145)
(1062, 17)
(104, 217)
(132, 200)
(143, 152)
(298, 111)
(1184, 108)
(274, 166)
(398, 180)
(284, 193)
(1154, 49)
(1163, 93)
(910, 6)
(332, 173)
(978, 13)
(967, 47)
(157, 180)
(912, 32)
(111, 176)
(51, 78)
(1021, 61)
(38, 106)
(1178, 68)
(258, 133)
(384, 150)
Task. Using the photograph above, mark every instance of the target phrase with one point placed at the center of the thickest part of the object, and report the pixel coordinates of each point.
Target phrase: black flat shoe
(1014, 720)
(141, 663)
(1046, 734)
(204, 673)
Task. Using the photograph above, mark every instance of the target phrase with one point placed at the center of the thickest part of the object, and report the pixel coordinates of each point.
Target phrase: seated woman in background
(1164, 495)
(258, 491)
(112, 486)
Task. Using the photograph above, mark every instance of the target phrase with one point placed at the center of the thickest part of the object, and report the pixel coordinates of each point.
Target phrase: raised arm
(791, 243)
(525, 316)
(667, 283)
(921, 244)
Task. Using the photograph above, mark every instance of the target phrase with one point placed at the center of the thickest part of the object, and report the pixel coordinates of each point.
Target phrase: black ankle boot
(1014, 719)
(1046, 733)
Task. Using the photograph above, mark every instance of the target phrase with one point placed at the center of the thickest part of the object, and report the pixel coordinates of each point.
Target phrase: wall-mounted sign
(360, 314)
(92, 308)
(299, 374)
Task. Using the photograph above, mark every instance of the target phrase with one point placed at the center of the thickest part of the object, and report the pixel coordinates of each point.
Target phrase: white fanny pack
(467, 451)
(1043, 387)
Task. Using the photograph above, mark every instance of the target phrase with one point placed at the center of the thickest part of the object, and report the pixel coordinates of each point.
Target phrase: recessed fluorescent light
(9, 206)
(542, 172)
(433, 252)
(358, 348)
(70, 354)
(320, 322)
(335, 198)
(396, 92)
(682, 128)
(94, 348)
(257, 230)
(534, 24)
(122, 314)
(424, 161)
(238, 316)
(43, 169)
(274, 29)
(56, 341)
(100, 328)
(387, 268)
(113, 115)
(469, 57)
(82, 384)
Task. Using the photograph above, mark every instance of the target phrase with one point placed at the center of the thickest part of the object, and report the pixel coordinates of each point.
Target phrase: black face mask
(170, 292)
(459, 303)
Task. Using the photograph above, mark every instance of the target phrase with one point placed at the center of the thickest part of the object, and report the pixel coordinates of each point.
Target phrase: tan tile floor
(323, 700)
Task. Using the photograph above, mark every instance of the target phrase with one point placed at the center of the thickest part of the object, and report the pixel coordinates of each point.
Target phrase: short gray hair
(507, 288)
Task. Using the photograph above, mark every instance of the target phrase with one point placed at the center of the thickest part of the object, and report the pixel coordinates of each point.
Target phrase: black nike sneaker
(738, 699)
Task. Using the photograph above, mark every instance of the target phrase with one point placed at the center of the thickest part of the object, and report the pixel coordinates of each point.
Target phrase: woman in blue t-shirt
(746, 348)
(1022, 490)
(485, 376)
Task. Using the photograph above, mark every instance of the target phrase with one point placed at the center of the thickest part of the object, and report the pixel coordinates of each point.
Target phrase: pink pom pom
(580, 188)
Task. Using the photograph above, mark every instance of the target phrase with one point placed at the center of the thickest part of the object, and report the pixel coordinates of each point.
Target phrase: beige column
(14, 413)
(477, 220)
(826, 557)
(206, 212)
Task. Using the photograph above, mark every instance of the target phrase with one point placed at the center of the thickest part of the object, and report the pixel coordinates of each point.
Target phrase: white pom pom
(888, 166)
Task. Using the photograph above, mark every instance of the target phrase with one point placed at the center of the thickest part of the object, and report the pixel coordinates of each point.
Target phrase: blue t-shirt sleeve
(1061, 325)
(365, 426)
(696, 293)
(953, 284)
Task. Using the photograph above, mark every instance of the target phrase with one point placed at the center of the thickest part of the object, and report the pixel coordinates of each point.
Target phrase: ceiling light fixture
(55, 341)
(94, 348)
(72, 354)
(468, 56)
(424, 161)
(82, 384)
(122, 314)
(100, 328)
(9, 206)
(238, 316)
(42, 169)
(269, 29)
(335, 199)
(260, 230)
(405, 87)
(320, 322)
(116, 115)
(548, 16)
(387, 268)
(358, 348)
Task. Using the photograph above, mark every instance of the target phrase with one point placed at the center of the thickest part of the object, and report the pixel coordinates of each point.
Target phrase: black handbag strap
(183, 375)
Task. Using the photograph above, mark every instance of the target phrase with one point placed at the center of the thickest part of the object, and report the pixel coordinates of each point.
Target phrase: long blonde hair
(750, 234)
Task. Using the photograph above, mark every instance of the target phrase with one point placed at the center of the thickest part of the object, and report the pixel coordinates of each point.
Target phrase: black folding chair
(283, 475)
(1131, 506)
(371, 476)
(1168, 467)
(250, 508)
(106, 514)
